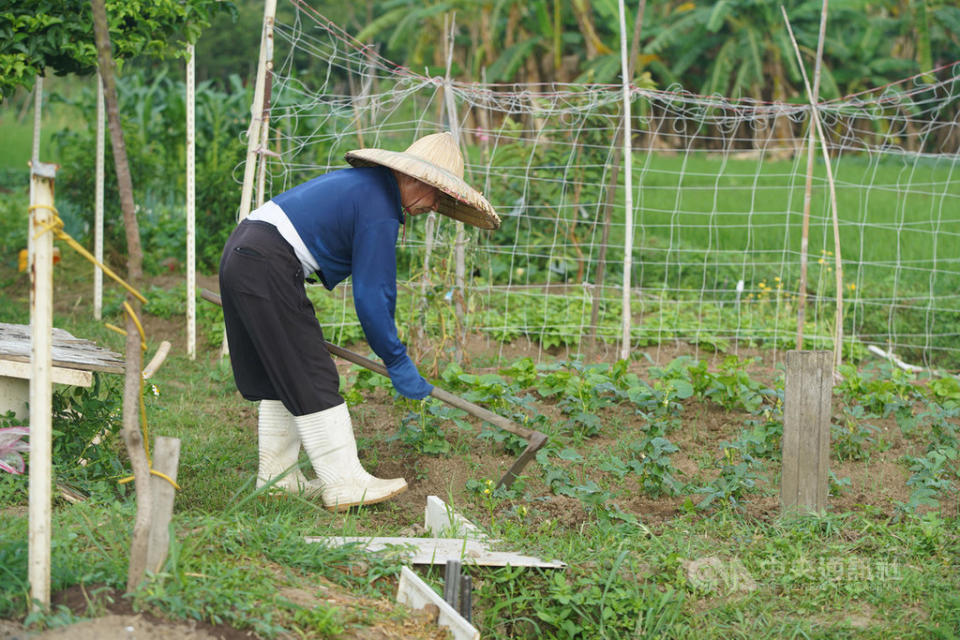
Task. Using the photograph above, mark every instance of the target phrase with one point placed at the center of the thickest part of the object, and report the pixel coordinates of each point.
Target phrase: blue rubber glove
(407, 380)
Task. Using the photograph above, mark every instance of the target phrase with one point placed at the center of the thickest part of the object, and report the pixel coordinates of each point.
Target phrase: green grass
(17, 119)
(899, 212)
(862, 572)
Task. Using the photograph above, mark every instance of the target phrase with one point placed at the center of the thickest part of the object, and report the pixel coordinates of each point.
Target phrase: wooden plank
(806, 431)
(166, 459)
(67, 351)
(429, 551)
(417, 594)
(59, 375)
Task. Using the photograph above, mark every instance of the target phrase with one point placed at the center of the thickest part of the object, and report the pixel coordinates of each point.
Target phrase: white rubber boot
(328, 438)
(279, 446)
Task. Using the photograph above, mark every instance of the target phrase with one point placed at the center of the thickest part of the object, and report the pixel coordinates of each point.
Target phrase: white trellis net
(718, 197)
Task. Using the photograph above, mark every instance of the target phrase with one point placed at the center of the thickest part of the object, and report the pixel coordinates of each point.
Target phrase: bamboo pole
(263, 149)
(432, 224)
(628, 188)
(191, 205)
(264, 67)
(611, 188)
(807, 193)
(98, 203)
(460, 239)
(361, 101)
(41, 391)
(838, 262)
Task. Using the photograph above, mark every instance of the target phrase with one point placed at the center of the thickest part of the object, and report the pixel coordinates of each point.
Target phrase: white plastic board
(415, 593)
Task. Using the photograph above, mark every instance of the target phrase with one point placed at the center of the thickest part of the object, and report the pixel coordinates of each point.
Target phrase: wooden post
(166, 458)
(41, 387)
(806, 432)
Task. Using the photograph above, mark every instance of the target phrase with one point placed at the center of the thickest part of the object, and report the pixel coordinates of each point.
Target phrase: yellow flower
(853, 287)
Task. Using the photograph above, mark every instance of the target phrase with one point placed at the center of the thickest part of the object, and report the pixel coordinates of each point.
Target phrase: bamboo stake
(263, 150)
(611, 188)
(191, 205)
(838, 262)
(41, 391)
(807, 193)
(628, 188)
(98, 203)
(361, 101)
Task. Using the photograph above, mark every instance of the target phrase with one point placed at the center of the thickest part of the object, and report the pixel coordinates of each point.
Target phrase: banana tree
(735, 48)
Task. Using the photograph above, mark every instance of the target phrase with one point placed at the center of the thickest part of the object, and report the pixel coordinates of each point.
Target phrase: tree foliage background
(57, 35)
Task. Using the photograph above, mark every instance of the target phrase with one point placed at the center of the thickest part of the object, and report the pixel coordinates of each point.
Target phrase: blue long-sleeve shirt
(349, 221)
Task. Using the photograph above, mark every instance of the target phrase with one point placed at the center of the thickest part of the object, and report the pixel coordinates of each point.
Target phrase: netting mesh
(719, 192)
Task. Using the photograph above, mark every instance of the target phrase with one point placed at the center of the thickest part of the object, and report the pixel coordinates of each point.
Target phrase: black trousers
(276, 344)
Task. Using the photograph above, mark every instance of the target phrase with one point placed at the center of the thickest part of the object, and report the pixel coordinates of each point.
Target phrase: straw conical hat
(435, 160)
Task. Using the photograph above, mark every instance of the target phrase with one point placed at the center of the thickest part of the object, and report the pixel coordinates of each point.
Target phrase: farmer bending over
(343, 223)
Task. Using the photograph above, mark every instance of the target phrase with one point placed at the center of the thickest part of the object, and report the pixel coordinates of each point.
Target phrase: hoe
(535, 439)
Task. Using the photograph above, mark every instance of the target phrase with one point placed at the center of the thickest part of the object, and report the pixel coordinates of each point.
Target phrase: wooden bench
(74, 361)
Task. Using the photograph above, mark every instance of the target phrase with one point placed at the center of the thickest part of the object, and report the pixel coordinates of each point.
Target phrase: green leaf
(571, 455)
